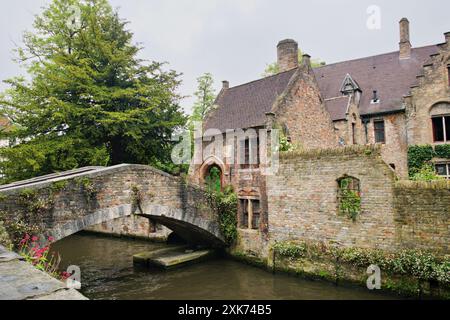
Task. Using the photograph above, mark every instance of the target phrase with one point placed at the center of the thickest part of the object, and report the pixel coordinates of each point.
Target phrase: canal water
(107, 273)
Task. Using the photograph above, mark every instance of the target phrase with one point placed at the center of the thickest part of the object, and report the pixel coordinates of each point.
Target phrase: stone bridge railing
(64, 204)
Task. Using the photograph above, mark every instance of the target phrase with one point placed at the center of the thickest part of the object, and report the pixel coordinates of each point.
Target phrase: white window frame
(447, 164)
(444, 126)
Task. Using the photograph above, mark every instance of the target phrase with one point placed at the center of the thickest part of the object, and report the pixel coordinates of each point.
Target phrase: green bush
(418, 156)
(426, 173)
(443, 151)
(416, 263)
(225, 205)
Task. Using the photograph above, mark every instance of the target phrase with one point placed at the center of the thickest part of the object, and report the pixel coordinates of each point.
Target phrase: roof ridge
(327, 65)
(261, 79)
(376, 55)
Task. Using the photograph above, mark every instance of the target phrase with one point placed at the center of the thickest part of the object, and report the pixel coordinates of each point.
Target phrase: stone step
(174, 259)
(144, 257)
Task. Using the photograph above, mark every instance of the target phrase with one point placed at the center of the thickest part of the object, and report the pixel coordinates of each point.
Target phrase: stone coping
(91, 172)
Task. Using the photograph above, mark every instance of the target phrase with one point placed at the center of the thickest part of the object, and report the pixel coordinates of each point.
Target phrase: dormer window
(349, 86)
(375, 98)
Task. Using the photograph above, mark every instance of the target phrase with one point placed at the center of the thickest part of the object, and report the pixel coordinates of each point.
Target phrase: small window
(244, 213)
(443, 170)
(354, 133)
(380, 135)
(448, 74)
(349, 197)
(441, 128)
(250, 147)
(252, 207)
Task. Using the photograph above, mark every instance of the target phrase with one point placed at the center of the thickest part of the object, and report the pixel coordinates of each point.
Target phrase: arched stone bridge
(72, 201)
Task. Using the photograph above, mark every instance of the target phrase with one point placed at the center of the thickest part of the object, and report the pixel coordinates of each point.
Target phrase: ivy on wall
(421, 155)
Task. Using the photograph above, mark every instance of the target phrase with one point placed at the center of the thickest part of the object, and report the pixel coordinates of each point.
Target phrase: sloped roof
(337, 107)
(390, 76)
(245, 106)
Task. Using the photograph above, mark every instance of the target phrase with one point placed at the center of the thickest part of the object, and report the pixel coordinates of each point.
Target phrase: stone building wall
(395, 149)
(302, 110)
(303, 203)
(433, 87)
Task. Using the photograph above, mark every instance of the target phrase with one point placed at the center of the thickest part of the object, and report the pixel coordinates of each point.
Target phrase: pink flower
(34, 239)
(51, 239)
(27, 237)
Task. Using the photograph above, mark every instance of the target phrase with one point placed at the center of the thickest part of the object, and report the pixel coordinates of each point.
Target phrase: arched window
(440, 118)
(349, 197)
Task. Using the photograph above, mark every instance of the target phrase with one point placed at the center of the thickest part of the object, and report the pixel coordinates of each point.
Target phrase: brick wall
(422, 215)
(303, 203)
(302, 110)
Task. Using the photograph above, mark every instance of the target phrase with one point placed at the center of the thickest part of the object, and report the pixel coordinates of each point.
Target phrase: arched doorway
(213, 178)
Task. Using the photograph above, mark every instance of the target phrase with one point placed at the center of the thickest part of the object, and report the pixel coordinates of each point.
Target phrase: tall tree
(88, 99)
(273, 68)
(205, 96)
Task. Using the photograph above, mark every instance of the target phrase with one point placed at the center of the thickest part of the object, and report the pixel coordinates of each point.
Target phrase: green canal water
(107, 273)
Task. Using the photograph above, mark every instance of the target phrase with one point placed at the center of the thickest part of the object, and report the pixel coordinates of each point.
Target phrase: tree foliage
(87, 99)
(205, 96)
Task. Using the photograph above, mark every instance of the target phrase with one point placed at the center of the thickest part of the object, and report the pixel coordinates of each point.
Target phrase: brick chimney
(405, 44)
(225, 85)
(287, 55)
(447, 37)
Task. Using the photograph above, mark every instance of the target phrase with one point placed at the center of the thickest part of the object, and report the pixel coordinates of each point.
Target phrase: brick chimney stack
(405, 43)
(287, 55)
(225, 85)
(447, 37)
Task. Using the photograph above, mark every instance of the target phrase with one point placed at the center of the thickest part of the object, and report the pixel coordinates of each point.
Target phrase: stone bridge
(66, 203)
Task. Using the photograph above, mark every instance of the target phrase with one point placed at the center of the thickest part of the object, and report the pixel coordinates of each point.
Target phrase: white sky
(235, 39)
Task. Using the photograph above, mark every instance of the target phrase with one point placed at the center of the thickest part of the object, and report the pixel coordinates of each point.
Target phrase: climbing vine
(349, 198)
(225, 205)
(421, 155)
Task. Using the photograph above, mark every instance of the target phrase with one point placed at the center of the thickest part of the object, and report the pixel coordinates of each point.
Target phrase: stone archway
(212, 164)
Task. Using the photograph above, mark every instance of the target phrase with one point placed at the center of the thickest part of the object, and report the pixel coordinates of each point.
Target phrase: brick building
(396, 99)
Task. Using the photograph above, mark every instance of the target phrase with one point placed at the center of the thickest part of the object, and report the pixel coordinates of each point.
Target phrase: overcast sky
(235, 39)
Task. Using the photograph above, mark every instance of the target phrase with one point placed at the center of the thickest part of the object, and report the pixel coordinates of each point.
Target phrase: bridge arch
(122, 191)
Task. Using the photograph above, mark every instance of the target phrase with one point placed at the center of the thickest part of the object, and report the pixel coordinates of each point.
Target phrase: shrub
(426, 173)
(418, 156)
(225, 205)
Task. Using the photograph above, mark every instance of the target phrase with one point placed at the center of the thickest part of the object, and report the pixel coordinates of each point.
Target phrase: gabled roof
(245, 106)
